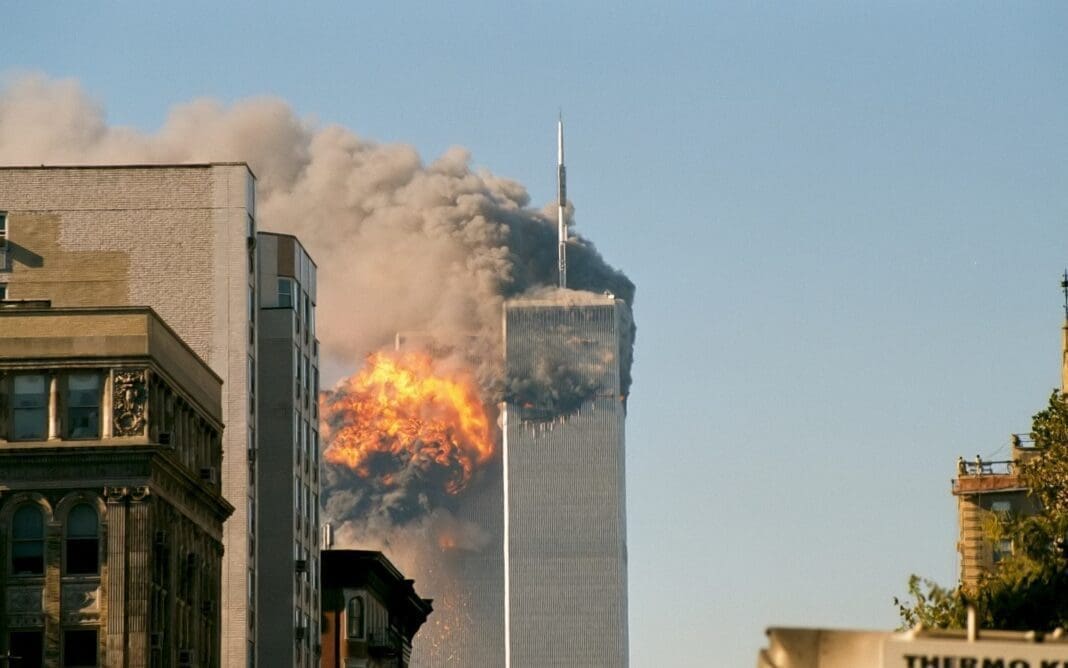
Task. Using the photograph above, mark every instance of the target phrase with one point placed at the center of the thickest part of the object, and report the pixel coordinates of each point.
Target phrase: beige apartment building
(179, 239)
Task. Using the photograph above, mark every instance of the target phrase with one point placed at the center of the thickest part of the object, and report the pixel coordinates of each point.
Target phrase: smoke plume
(401, 245)
(427, 249)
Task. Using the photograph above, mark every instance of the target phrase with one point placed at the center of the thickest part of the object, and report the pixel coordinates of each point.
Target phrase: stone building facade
(111, 507)
(179, 239)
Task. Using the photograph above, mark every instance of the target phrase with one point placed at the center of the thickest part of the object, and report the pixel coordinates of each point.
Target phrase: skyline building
(565, 557)
(287, 461)
(179, 239)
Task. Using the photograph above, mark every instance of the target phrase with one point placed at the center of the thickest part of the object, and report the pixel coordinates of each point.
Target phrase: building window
(251, 386)
(29, 418)
(306, 302)
(252, 314)
(4, 262)
(27, 541)
(285, 292)
(308, 379)
(1001, 507)
(79, 648)
(28, 647)
(355, 617)
(83, 405)
(1002, 550)
(3, 286)
(82, 544)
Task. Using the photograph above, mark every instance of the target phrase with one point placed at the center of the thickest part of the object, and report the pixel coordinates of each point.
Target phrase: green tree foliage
(1029, 589)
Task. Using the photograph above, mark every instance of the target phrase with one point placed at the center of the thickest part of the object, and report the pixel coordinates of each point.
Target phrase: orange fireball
(403, 410)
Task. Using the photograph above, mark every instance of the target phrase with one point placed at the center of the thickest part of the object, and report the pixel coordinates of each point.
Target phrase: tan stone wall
(175, 239)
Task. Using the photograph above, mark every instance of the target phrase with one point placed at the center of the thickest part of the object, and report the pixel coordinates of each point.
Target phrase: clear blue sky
(846, 222)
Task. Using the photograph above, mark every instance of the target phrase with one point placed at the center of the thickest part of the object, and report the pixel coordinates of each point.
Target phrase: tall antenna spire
(1064, 335)
(561, 198)
(1064, 289)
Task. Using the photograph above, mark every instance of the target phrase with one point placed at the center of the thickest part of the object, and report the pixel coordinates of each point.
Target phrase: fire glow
(400, 412)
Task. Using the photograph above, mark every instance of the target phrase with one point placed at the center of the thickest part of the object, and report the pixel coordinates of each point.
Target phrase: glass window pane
(27, 541)
(28, 423)
(355, 615)
(83, 405)
(81, 522)
(82, 544)
(285, 292)
(29, 388)
(28, 523)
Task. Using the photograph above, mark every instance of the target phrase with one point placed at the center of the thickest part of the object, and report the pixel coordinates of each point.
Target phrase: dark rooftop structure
(370, 610)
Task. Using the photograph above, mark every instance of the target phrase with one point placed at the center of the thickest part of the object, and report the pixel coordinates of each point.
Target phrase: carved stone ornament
(116, 494)
(25, 600)
(80, 598)
(25, 621)
(129, 394)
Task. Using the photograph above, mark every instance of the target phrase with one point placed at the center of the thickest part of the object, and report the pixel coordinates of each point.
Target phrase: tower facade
(564, 496)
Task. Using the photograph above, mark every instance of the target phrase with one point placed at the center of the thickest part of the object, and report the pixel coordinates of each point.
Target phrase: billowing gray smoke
(401, 245)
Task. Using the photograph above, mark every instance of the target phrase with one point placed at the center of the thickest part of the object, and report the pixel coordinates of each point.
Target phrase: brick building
(179, 239)
(111, 511)
(370, 611)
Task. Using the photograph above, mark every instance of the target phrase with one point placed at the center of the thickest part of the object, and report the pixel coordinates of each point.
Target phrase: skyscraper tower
(564, 496)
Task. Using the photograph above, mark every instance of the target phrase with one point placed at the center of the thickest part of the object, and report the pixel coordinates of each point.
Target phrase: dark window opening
(355, 615)
(79, 648)
(26, 649)
(27, 548)
(82, 541)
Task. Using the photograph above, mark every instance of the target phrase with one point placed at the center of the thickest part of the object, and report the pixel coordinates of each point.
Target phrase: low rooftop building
(370, 611)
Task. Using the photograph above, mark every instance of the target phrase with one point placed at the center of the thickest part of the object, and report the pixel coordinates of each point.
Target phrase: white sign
(930, 653)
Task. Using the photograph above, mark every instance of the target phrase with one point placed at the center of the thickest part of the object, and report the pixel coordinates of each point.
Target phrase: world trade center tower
(564, 498)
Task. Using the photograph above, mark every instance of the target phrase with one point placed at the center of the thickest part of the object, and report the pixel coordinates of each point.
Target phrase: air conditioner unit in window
(164, 438)
(302, 565)
(209, 475)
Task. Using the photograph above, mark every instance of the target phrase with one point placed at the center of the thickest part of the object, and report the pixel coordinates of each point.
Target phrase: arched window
(27, 541)
(82, 540)
(355, 614)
